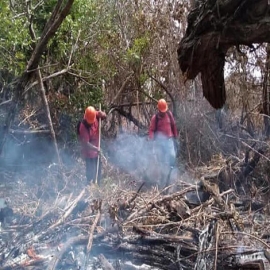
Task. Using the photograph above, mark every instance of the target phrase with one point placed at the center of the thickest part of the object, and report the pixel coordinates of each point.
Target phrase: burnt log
(105, 265)
(214, 27)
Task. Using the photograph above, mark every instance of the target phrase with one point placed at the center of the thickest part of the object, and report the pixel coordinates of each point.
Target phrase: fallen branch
(44, 79)
(72, 241)
(13, 131)
(69, 211)
(205, 204)
(151, 204)
(105, 265)
(91, 233)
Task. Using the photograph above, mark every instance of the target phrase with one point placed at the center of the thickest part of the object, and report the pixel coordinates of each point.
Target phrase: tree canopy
(124, 55)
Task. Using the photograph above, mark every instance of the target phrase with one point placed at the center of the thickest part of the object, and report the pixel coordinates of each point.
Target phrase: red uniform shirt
(91, 136)
(164, 126)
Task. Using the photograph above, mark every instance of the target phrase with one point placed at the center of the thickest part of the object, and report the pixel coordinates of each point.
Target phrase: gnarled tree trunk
(213, 27)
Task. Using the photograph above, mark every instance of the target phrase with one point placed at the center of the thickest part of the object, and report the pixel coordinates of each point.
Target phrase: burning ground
(216, 217)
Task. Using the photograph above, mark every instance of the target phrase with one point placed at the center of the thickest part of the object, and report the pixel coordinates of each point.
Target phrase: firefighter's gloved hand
(100, 153)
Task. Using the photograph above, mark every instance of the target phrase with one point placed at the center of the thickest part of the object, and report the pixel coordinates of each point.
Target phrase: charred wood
(70, 208)
(91, 232)
(105, 265)
(163, 231)
(206, 241)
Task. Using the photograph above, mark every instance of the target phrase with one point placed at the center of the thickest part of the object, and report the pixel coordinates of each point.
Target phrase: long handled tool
(99, 139)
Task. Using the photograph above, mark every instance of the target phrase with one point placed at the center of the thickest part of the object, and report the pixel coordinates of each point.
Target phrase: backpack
(87, 126)
(171, 120)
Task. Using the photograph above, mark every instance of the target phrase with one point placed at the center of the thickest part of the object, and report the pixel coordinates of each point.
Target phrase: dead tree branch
(48, 114)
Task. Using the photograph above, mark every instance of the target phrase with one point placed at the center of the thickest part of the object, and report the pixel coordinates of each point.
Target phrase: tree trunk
(266, 94)
(214, 27)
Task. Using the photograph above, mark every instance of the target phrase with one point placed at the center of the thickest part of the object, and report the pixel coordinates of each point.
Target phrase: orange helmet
(162, 105)
(90, 115)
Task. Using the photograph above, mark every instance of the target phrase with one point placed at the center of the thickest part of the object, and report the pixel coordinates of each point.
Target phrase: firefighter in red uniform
(89, 138)
(164, 133)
